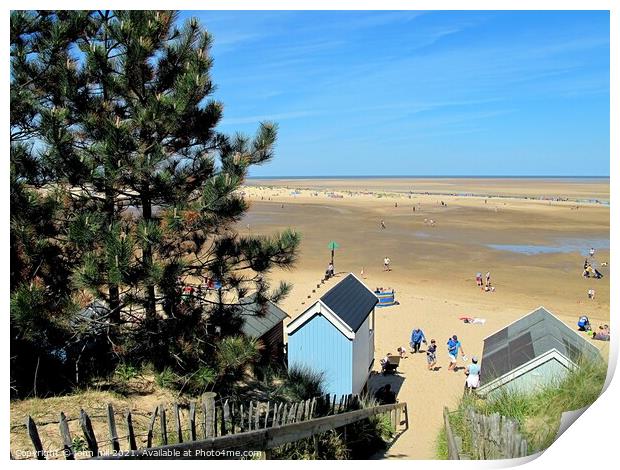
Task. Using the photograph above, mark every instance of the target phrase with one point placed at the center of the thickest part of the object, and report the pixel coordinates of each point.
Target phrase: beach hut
(531, 352)
(335, 336)
(266, 324)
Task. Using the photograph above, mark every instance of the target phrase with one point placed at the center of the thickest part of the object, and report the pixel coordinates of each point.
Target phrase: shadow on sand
(378, 380)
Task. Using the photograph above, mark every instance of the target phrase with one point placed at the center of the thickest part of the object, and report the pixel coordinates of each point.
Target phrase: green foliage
(79, 444)
(301, 383)
(126, 372)
(538, 413)
(167, 378)
(441, 445)
(113, 113)
(361, 440)
(233, 356)
(204, 378)
(328, 446)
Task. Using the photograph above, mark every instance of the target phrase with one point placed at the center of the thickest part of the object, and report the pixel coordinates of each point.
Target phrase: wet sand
(434, 266)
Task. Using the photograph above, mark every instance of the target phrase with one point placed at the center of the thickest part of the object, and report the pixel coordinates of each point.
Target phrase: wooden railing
(453, 448)
(265, 439)
(208, 424)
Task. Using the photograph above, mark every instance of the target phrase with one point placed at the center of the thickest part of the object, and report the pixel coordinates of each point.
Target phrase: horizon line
(430, 176)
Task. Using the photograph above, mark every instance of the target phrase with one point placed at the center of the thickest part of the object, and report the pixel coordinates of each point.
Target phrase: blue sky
(418, 93)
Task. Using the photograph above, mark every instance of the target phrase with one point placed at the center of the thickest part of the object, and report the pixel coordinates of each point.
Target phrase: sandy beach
(532, 235)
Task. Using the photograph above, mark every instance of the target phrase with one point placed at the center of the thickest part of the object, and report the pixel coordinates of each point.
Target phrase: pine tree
(41, 297)
(129, 127)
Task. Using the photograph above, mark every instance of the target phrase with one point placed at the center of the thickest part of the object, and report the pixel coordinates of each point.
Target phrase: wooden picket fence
(491, 437)
(495, 436)
(208, 425)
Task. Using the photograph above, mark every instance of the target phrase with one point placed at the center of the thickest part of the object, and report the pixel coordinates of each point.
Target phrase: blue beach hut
(335, 336)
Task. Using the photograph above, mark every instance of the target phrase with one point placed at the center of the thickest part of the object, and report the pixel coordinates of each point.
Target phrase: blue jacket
(417, 336)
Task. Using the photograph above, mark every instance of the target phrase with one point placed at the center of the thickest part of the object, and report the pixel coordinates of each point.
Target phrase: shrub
(167, 378)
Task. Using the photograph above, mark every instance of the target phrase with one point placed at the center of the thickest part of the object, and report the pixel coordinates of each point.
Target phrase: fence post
(89, 434)
(266, 416)
(453, 452)
(177, 422)
(225, 418)
(130, 434)
(162, 421)
(300, 411)
(112, 428)
(192, 421)
(406, 417)
(67, 443)
(283, 417)
(149, 436)
(34, 437)
(241, 420)
(208, 406)
(257, 416)
(250, 415)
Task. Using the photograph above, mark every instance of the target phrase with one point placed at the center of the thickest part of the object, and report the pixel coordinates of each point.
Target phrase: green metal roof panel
(257, 322)
(527, 338)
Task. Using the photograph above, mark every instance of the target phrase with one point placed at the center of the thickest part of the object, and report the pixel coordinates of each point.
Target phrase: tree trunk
(147, 253)
(113, 290)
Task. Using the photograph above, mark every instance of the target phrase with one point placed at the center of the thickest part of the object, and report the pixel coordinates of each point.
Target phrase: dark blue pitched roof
(351, 301)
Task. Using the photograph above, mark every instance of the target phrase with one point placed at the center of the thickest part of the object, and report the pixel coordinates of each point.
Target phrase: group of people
(590, 271)
(602, 334)
(454, 346)
(583, 324)
(486, 285)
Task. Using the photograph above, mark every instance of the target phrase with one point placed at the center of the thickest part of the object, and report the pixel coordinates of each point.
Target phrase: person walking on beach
(591, 251)
(382, 224)
(479, 279)
(453, 351)
(386, 264)
(488, 279)
(431, 355)
(473, 375)
(417, 338)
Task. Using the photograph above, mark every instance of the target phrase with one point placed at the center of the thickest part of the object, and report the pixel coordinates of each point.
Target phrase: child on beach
(384, 362)
(402, 351)
(386, 264)
(431, 355)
